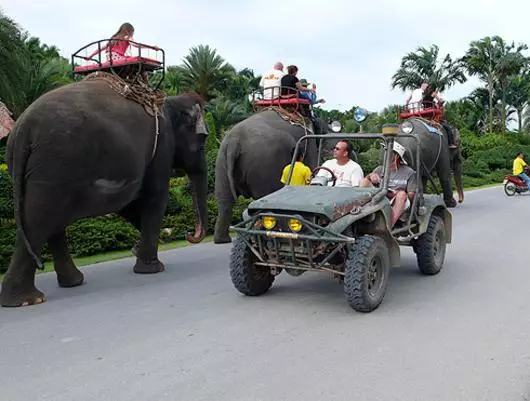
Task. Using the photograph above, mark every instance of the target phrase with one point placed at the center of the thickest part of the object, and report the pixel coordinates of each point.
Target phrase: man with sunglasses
(348, 172)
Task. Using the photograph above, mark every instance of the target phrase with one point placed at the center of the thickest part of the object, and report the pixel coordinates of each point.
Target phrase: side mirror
(360, 114)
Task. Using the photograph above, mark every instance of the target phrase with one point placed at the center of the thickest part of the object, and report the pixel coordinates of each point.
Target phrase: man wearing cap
(401, 185)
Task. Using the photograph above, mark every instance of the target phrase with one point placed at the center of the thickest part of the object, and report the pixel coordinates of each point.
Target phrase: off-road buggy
(345, 231)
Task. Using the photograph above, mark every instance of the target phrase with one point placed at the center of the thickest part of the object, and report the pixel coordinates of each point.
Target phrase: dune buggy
(345, 231)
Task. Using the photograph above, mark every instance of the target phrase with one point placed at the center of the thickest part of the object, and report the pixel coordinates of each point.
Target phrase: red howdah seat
(282, 101)
(147, 64)
(430, 111)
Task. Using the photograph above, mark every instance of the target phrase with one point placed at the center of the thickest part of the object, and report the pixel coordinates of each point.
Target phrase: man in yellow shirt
(301, 173)
(519, 168)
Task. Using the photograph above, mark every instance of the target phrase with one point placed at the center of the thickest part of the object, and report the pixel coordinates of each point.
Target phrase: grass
(115, 255)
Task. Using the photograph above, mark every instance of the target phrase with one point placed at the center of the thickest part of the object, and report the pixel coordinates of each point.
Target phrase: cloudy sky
(349, 49)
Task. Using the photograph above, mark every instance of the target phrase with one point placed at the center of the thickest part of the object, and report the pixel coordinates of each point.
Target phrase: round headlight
(295, 224)
(407, 127)
(336, 126)
(269, 222)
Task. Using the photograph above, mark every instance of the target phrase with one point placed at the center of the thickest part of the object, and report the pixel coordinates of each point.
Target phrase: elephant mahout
(436, 156)
(91, 148)
(251, 158)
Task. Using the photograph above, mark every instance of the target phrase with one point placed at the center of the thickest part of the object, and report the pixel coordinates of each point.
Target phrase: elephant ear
(198, 116)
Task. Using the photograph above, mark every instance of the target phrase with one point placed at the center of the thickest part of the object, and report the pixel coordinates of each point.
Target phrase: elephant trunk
(199, 192)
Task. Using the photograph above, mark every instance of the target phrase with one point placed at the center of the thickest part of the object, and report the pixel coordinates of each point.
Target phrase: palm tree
(518, 94)
(493, 61)
(423, 65)
(11, 60)
(226, 112)
(205, 72)
(43, 76)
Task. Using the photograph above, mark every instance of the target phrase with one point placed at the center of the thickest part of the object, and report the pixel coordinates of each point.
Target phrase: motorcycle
(514, 185)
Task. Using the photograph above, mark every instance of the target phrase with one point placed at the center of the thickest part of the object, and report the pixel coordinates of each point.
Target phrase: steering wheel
(317, 168)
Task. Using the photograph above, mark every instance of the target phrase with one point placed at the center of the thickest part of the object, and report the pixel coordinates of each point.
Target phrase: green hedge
(487, 159)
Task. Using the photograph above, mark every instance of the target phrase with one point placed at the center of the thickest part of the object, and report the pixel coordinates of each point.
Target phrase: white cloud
(350, 49)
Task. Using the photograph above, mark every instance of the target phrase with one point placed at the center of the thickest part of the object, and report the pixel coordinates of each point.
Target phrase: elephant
(250, 160)
(86, 150)
(436, 156)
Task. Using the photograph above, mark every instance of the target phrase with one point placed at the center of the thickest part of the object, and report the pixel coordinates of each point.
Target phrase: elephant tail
(20, 153)
(232, 153)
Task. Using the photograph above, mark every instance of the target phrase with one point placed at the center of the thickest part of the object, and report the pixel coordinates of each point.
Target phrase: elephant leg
(68, 275)
(443, 170)
(132, 213)
(18, 286)
(457, 173)
(152, 213)
(224, 217)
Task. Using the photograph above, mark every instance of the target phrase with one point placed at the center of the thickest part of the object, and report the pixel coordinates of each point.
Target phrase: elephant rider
(416, 97)
(271, 81)
(519, 168)
(402, 183)
(312, 96)
(429, 95)
(291, 84)
(347, 172)
(450, 134)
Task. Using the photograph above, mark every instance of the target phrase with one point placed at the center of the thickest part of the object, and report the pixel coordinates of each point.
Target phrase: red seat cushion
(291, 100)
(117, 63)
(421, 112)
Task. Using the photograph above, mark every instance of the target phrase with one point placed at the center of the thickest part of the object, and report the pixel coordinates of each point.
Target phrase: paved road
(187, 335)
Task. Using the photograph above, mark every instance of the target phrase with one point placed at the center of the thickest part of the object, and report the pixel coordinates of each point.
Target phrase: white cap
(400, 150)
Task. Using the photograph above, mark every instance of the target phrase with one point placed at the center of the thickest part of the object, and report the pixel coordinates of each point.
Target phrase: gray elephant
(85, 150)
(436, 157)
(251, 158)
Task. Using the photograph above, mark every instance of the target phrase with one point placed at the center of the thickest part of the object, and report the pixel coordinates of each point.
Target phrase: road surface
(186, 334)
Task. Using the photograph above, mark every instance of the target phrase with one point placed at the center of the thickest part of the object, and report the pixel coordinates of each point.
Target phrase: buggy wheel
(509, 188)
(366, 274)
(246, 278)
(430, 247)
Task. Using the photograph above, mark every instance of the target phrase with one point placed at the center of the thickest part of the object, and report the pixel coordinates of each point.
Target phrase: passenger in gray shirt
(402, 183)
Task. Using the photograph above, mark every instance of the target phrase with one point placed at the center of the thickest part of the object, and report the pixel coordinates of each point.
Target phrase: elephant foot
(21, 298)
(221, 239)
(73, 278)
(451, 202)
(148, 267)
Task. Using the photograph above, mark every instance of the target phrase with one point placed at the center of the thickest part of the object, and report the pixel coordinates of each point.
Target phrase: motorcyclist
(519, 167)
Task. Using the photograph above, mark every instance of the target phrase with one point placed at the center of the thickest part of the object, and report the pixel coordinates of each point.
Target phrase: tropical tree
(518, 95)
(424, 65)
(493, 61)
(11, 60)
(226, 112)
(205, 72)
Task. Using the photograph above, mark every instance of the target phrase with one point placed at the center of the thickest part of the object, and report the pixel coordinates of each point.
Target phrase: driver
(401, 185)
(348, 172)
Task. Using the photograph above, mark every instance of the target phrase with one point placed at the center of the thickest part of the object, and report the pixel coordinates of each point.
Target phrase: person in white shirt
(348, 172)
(416, 97)
(271, 82)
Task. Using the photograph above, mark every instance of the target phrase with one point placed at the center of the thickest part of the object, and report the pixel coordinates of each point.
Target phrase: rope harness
(137, 91)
